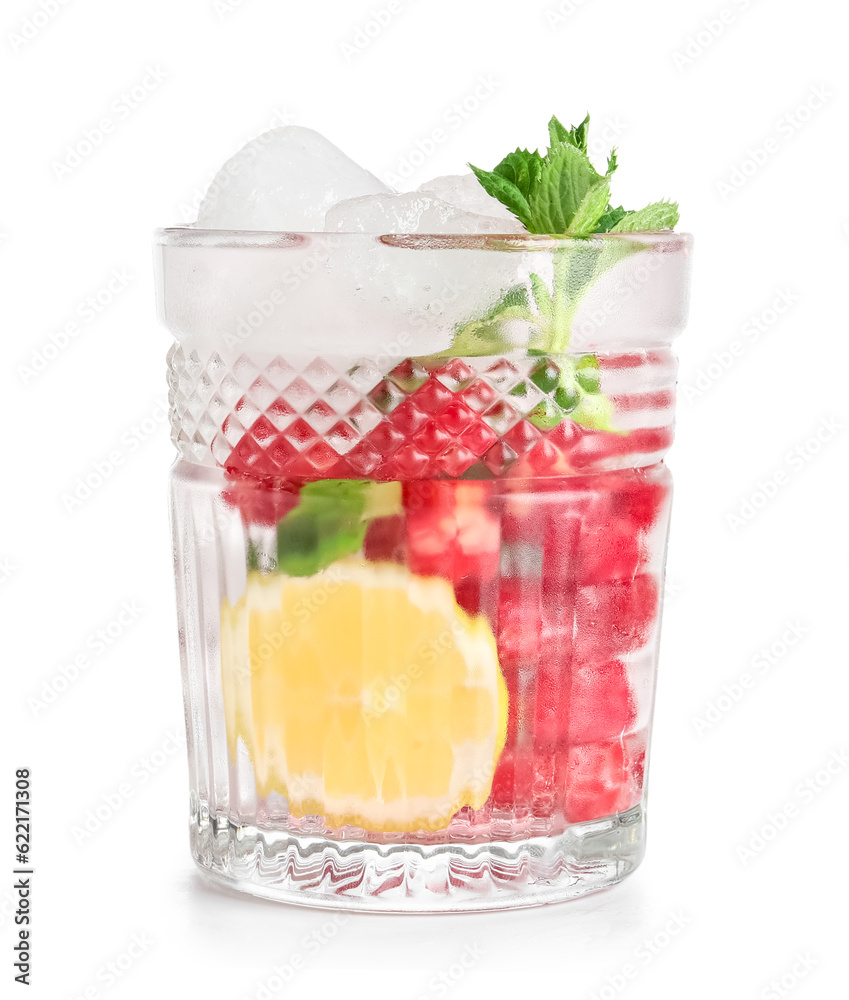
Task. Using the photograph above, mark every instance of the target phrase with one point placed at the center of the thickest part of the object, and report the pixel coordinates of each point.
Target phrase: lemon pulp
(363, 694)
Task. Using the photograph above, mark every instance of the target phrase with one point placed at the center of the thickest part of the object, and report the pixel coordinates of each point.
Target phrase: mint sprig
(560, 192)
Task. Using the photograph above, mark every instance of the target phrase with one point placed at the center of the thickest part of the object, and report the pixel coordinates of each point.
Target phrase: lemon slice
(363, 694)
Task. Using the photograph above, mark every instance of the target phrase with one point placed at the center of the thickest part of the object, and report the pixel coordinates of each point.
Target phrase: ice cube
(285, 179)
(412, 213)
(464, 191)
(430, 290)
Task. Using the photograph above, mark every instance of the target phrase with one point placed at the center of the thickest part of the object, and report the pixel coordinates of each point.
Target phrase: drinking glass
(419, 519)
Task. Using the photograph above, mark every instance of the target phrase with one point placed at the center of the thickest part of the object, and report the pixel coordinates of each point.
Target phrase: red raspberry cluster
(560, 569)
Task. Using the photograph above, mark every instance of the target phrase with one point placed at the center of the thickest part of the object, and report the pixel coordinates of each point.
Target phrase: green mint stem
(564, 309)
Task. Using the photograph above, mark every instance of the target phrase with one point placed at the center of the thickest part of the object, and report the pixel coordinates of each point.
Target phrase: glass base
(419, 878)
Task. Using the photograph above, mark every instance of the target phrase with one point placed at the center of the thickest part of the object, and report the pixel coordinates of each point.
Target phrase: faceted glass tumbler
(419, 518)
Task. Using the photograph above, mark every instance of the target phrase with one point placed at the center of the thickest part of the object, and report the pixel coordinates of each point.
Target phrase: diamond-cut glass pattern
(386, 396)
(348, 416)
(409, 375)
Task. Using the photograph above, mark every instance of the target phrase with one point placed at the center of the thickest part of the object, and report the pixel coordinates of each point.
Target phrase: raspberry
(599, 448)
(603, 778)
(451, 531)
(526, 783)
(639, 495)
(384, 541)
(260, 502)
(601, 705)
(610, 549)
(614, 617)
(551, 701)
(530, 628)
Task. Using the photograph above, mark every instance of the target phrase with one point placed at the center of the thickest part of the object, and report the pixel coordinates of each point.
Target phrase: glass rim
(186, 237)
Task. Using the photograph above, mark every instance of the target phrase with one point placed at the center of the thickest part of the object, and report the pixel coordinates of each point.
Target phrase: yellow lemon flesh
(363, 694)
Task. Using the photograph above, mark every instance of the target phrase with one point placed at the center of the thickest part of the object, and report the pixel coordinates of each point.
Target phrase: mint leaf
(612, 162)
(609, 219)
(575, 136)
(591, 209)
(588, 374)
(558, 132)
(546, 415)
(523, 169)
(542, 297)
(485, 336)
(572, 388)
(514, 298)
(546, 377)
(595, 412)
(580, 133)
(658, 215)
(506, 192)
(327, 525)
(566, 178)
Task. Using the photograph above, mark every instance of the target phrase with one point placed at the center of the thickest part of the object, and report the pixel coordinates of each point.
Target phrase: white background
(685, 115)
